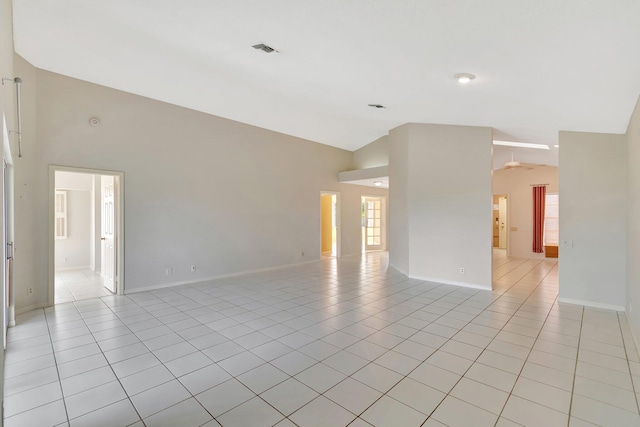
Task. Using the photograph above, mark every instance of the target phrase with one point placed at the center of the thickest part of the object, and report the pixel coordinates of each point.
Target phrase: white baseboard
(591, 304)
(221, 276)
(453, 282)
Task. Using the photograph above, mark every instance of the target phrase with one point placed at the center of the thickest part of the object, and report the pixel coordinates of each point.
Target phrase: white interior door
(108, 247)
(372, 223)
(502, 219)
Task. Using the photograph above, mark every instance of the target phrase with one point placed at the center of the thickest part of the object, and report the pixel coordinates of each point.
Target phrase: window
(61, 215)
(551, 220)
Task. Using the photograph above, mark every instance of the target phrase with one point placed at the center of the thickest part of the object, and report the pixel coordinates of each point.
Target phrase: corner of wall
(633, 222)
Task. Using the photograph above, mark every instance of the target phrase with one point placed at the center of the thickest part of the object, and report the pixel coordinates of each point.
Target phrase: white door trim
(119, 224)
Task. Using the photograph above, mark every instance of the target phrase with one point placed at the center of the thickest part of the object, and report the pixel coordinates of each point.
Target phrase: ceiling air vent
(263, 47)
(376, 106)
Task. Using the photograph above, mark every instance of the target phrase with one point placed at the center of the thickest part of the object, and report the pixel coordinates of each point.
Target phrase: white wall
(199, 189)
(516, 183)
(75, 251)
(373, 154)
(29, 198)
(633, 221)
(73, 181)
(448, 193)
(593, 216)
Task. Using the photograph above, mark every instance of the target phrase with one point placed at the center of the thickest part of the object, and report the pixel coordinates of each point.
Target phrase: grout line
(64, 402)
(575, 370)
(633, 386)
(299, 289)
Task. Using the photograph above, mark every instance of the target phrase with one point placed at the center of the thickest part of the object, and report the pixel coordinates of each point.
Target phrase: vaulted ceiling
(540, 66)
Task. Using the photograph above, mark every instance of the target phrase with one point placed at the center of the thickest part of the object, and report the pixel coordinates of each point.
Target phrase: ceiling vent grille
(263, 47)
(376, 106)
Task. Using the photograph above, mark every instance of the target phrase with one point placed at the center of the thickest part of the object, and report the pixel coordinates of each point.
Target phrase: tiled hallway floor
(76, 285)
(337, 343)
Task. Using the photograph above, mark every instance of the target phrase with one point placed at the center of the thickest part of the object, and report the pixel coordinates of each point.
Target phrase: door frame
(338, 223)
(119, 224)
(383, 221)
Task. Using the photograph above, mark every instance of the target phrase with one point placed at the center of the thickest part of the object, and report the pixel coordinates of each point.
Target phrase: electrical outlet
(461, 270)
(302, 254)
(193, 268)
(30, 291)
(168, 271)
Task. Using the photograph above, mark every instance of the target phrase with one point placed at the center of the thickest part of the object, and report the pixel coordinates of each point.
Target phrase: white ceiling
(541, 66)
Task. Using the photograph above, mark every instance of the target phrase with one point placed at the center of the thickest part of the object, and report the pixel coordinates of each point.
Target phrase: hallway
(76, 285)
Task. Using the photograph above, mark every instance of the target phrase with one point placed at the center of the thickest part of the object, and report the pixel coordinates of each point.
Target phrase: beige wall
(633, 221)
(372, 155)
(445, 203)
(398, 241)
(199, 189)
(516, 184)
(593, 217)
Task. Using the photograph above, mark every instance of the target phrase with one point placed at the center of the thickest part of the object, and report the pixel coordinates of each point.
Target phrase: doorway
(500, 219)
(8, 316)
(373, 223)
(329, 224)
(86, 229)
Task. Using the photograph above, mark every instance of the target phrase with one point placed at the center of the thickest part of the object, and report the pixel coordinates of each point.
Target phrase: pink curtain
(539, 193)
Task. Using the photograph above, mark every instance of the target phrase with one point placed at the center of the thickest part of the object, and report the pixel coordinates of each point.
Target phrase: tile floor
(337, 343)
(76, 285)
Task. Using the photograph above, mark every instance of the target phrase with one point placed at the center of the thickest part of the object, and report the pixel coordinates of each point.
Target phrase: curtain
(539, 193)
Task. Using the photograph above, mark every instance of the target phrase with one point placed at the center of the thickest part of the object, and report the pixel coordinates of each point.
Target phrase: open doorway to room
(518, 241)
(8, 317)
(373, 223)
(86, 229)
(329, 224)
(500, 221)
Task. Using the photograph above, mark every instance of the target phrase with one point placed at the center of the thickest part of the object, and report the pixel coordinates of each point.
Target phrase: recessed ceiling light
(464, 78)
(376, 106)
(377, 183)
(521, 145)
(263, 47)
(556, 146)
